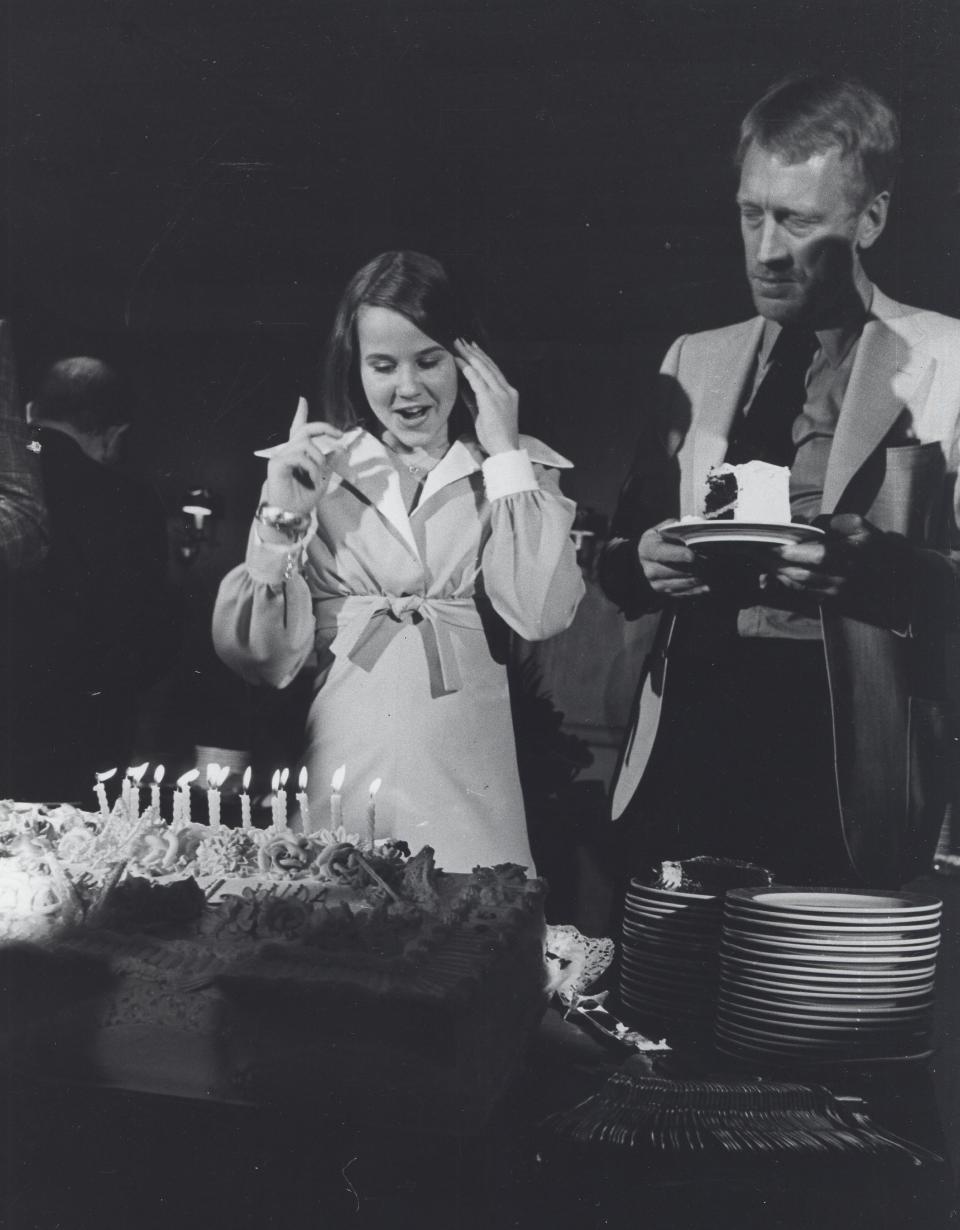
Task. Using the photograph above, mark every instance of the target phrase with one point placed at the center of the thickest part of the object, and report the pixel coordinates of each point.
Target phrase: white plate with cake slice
(710, 535)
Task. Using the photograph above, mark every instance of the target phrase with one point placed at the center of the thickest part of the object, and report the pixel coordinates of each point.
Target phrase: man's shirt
(813, 431)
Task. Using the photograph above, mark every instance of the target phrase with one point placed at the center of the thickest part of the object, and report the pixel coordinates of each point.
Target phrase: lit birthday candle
(213, 772)
(336, 798)
(101, 792)
(302, 801)
(133, 797)
(372, 812)
(216, 776)
(274, 792)
(245, 819)
(183, 795)
(158, 773)
(282, 800)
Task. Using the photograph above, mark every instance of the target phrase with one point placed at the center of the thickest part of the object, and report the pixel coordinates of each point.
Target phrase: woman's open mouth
(413, 414)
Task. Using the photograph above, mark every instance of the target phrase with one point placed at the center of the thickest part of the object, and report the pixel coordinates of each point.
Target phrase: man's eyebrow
(787, 211)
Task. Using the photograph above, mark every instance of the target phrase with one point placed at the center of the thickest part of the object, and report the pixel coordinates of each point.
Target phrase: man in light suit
(801, 711)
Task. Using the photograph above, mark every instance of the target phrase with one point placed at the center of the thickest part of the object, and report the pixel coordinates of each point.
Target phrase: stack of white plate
(826, 975)
(668, 967)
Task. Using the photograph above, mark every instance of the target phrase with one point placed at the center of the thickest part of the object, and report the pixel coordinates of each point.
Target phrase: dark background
(190, 183)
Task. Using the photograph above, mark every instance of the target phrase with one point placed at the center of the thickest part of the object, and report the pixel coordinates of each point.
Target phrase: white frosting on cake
(252, 966)
(761, 492)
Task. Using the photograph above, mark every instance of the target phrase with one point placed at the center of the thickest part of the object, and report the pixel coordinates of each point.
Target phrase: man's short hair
(85, 393)
(811, 113)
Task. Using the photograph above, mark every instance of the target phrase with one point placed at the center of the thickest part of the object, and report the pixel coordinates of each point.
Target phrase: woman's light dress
(389, 609)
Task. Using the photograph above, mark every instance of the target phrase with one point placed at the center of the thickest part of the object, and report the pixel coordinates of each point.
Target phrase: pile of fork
(712, 1117)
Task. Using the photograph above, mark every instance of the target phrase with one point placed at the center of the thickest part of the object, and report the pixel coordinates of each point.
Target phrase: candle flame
(137, 772)
(302, 779)
(222, 775)
(105, 777)
(247, 774)
(186, 778)
(158, 773)
(337, 780)
(283, 778)
(213, 772)
(275, 781)
(375, 786)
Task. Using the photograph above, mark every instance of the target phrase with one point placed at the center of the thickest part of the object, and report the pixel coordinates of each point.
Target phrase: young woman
(394, 539)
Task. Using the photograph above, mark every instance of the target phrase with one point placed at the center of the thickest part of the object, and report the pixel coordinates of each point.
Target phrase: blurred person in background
(23, 516)
(95, 625)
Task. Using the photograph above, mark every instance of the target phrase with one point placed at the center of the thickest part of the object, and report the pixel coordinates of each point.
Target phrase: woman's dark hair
(415, 286)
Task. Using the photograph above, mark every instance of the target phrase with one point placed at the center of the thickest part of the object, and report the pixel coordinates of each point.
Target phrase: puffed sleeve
(263, 624)
(530, 570)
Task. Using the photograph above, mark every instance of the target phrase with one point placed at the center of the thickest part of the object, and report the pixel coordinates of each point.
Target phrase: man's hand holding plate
(672, 570)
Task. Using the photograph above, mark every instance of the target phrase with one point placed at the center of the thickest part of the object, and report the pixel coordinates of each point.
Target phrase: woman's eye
(426, 364)
(382, 369)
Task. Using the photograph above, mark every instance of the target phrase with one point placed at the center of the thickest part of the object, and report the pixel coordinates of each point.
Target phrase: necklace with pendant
(417, 460)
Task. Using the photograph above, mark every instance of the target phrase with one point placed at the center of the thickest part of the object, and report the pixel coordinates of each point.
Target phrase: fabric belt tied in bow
(433, 618)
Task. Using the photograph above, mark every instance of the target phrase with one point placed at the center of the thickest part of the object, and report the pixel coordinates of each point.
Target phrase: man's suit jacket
(894, 693)
(88, 630)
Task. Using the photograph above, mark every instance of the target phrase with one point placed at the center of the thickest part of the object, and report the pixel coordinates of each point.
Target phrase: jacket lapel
(457, 462)
(890, 372)
(366, 469)
(724, 377)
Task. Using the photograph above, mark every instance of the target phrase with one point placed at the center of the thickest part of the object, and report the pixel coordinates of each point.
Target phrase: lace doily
(574, 962)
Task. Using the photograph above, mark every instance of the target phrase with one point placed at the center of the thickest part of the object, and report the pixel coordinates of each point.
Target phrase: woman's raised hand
(497, 401)
(298, 471)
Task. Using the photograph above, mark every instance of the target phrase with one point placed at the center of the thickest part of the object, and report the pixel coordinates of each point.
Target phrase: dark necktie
(765, 431)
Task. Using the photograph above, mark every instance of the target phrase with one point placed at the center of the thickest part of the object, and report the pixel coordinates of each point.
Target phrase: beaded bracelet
(291, 525)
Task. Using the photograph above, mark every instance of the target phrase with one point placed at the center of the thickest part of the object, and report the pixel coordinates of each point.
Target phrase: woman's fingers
(497, 401)
(312, 431)
(305, 462)
(300, 416)
(482, 365)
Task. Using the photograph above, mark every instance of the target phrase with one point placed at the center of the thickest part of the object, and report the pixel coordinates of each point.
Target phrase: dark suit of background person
(810, 724)
(95, 625)
(23, 517)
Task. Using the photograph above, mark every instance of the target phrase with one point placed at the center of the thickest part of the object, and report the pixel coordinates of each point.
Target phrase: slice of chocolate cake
(754, 491)
(704, 874)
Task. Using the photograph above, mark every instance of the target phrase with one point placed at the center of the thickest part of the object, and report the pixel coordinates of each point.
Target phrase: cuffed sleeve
(623, 580)
(649, 495)
(263, 621)
(271, 563)
(508, 474)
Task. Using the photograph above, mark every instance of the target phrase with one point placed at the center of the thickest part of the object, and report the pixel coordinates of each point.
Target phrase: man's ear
(111, 440)
(872, 220)
(31, 413)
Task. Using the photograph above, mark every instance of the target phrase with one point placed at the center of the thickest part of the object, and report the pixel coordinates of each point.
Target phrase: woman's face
(409, 379)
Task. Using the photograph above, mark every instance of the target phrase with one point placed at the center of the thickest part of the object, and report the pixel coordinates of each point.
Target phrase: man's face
(802, 224)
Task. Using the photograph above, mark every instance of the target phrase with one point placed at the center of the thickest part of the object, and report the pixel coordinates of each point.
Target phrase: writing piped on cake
(752, 491)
